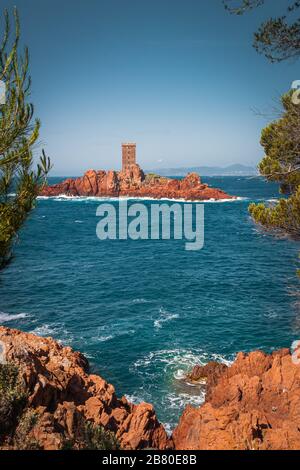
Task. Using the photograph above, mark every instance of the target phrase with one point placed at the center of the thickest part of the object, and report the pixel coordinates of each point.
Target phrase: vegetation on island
(20, 179)
(278, 38)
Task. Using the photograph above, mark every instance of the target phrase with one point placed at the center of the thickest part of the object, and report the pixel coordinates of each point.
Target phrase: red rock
(62, 392)
(208, 374)
(254, 404)
(134, 183)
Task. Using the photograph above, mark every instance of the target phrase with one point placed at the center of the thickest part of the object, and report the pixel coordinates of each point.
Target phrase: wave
(177, 361)
(164, 317)
(45, 330)
(162, 375)
(181, 400)
(140, 301)
(64, 197)
(169, 358)
(103, 339)
(7, 317)
(88, 355)
(135, 399)
(110, 332)
(57, 331)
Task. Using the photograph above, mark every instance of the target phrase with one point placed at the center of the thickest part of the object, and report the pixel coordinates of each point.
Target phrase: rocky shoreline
(252, 404)
(134, 183)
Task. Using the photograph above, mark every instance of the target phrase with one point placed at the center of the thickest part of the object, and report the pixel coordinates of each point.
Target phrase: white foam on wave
(174, 359)
(64, 197)
(108, 332)
(135, 399)
(271, 314)
(169, 428)
(179, 374)
(7, 317)
(88, 355)
(158, 323)
(140, 301)
(180, 400)
(175, 362)
(222, 359)
(164, 317)
(163, 375)
(237, 199)
(56, 330)
(45, 330)
(103, 339)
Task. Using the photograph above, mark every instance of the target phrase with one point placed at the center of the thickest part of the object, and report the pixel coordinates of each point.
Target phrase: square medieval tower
(128, 155)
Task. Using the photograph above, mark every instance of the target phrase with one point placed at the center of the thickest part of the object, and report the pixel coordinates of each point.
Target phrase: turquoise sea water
(145, 311)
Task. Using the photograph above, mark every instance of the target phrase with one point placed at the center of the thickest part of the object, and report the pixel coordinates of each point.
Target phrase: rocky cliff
(253, 404)
(62, 393)
(135, 184)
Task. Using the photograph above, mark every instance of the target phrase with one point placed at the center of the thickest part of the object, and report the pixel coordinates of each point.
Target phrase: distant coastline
(231, 170)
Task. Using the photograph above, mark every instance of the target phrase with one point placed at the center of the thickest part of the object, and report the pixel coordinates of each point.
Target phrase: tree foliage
(19, 182)
(281, 142)
(277, 38)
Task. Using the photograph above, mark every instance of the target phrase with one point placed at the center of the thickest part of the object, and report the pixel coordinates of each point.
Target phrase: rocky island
(132, 182)
(48, 396)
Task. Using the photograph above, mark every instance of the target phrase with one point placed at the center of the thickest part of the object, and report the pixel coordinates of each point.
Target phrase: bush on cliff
(16, 421)
(22, 440)
(96, 438)
(90, 436)
(12, 399)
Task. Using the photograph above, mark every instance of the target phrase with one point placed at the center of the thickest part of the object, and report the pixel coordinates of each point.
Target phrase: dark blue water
(144, 311)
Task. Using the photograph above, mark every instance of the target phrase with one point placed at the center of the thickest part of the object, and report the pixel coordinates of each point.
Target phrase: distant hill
(231, 170)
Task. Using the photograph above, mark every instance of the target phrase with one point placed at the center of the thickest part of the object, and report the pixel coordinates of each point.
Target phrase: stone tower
(128, 156)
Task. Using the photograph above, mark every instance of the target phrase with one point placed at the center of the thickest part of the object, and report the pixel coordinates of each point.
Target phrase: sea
(144, 312)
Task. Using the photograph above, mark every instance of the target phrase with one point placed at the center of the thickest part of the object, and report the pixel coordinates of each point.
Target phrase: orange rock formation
(134, 183)
(253, 404)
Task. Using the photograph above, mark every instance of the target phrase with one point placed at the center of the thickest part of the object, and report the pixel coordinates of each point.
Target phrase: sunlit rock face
(62, 392)
(133, 182)
(254, 404)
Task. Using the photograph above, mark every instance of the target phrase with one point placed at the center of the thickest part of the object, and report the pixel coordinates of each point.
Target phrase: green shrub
(96, 438)
(90, 436)
(12, 398)
(22, 439)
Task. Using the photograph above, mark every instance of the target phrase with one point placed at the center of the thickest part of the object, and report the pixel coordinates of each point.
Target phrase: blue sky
(178, 77)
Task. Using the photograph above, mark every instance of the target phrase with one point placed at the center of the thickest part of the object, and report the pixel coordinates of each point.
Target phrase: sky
(178, 77)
